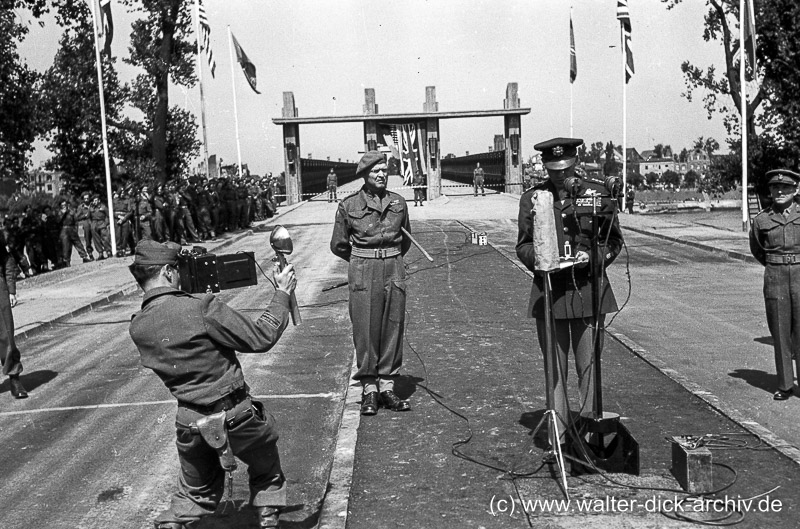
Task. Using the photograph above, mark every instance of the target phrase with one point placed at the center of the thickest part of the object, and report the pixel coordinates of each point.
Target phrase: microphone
(614, 186)
(573, 185)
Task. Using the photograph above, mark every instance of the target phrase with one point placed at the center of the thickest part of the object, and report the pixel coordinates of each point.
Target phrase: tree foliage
(772, 105)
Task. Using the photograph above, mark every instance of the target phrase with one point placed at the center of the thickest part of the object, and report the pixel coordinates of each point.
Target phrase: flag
(573, 61)
(411, 159)
(248, 67)
(105, 24)
(205, 36)
(624, 17)
(747, 19)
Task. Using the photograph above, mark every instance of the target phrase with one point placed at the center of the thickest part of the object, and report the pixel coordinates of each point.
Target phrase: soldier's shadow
(767, 340)
(406, 385)
(238, 514)
(31, 380)
(757, 378)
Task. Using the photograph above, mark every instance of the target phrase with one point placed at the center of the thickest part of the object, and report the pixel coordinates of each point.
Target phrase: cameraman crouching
(191, 342)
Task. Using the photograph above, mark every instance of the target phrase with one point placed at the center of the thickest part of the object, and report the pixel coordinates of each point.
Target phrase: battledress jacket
(774, 233)
(191, 342)
(572, 286)
(364, 220)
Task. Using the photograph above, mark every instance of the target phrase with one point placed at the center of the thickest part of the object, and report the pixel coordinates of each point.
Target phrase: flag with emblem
(624, 17)
(205, 36)
(105, 24)
(411, 159)
(248, 67)
(573, 60)
(747, 19)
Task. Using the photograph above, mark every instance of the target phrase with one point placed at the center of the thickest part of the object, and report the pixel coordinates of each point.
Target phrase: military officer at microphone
(571, 286)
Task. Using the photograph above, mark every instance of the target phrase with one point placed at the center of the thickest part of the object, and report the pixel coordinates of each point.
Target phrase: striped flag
(624, 17)
(748, 21)
(573, 60)
(205, 36)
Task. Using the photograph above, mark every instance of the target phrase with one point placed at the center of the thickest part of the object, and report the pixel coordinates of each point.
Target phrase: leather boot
(17, 389)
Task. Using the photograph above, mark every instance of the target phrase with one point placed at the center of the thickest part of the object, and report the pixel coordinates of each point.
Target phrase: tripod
(550, 416)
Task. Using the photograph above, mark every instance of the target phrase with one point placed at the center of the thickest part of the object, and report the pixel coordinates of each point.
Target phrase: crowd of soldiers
(185, 212)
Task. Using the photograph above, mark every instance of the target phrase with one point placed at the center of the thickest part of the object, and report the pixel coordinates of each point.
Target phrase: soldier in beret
(572, 286)
(368, 234)
(190, 343)
(775, 243)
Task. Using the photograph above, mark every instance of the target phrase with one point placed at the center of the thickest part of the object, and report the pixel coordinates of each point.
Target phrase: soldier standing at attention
(418, 183)
(775, 243)
(332, 184)
(190, 343)
(69, 234)
(368, 234)
(571, 287)
(477, 180)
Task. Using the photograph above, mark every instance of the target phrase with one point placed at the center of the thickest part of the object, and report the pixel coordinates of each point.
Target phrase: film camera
(203, 272)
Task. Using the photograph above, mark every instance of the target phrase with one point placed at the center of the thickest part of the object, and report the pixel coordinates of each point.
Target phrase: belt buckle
(791, 259)
(380, 253)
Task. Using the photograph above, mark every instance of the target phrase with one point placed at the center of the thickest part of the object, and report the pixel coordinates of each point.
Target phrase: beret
(559, 153)
(368, 161)
(782, 176)
(150, 252)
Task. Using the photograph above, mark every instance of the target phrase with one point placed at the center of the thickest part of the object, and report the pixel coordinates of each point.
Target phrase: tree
(778, 53)
(163, 45)
(708, 145)
(691, 178)
(651, 179)
(18, 100)
(671, 178)
(71, 121)
(683, 156)
(611, 166)
(635, 179)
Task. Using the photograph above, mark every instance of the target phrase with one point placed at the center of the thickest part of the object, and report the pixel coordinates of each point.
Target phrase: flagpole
(99, 64)
(743, 95)
(624, 116)
(200, 82)
(235, 113)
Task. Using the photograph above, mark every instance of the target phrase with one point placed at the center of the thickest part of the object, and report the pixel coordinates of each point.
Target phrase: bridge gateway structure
(379, 128)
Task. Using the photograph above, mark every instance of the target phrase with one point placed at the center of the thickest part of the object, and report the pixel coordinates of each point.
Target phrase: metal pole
(98, 59)
(200, 82)
(743, 93)
(624, 118)
(235, 113)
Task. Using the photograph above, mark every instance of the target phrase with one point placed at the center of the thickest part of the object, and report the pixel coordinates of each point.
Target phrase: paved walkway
(404, 465)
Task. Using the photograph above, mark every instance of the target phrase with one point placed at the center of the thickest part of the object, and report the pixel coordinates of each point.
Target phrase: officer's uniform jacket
(774, 233)
(572, 286)
(82, 213)
(191, 342)
(367, 221)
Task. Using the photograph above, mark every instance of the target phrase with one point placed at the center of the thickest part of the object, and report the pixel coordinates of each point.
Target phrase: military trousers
(69, 238)
(86, 226)
(378, 314)
(782, 299)
(9, 354)
(201, 484)
(575, 334)
(101, 237)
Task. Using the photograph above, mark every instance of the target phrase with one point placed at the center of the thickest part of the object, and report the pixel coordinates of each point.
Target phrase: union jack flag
(573, 60)
(205, 36)
(624, 17)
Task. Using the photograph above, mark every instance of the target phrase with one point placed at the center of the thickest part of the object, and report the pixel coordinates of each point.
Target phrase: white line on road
(160, 402)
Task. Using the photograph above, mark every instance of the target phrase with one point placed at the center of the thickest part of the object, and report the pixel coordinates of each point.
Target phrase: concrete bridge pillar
(513, 142)
(370, 127)
(291, 152)
(431, 146)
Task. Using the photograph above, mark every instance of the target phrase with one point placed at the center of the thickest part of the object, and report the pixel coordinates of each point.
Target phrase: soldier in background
(332, 185)
(51, 244)
(160, 215)
(32, 229)
(69, 234)
(122, 215)
(418, 184)
(143, 215)
(98, 215)
(9, 353)
(85, 223)
(477, 180)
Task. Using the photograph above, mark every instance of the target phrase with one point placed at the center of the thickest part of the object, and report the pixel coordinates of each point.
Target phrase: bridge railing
(461, 169)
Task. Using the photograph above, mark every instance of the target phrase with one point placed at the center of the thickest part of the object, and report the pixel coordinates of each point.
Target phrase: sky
(327, 53)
